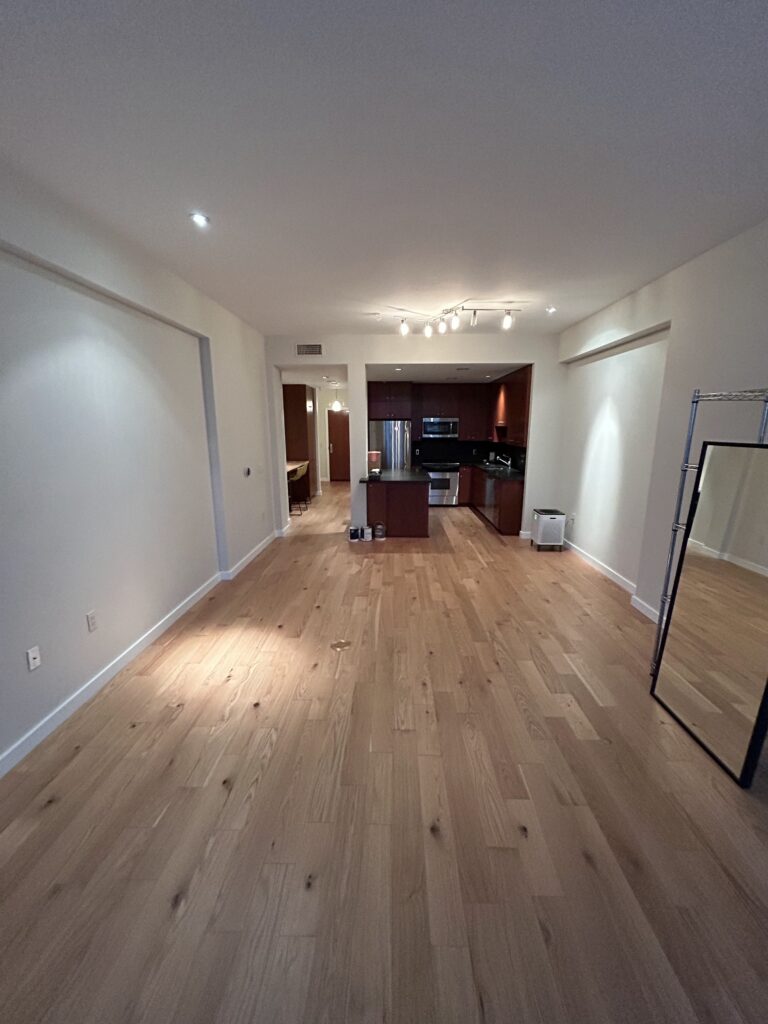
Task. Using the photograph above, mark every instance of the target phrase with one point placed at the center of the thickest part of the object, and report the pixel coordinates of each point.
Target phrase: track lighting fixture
(426, 322)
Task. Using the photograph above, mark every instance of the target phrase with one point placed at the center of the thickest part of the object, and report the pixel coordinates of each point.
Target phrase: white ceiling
(331, 377)
(438, 373)
(356, 156)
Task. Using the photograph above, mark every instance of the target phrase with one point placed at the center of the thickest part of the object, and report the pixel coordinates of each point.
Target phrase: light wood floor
(474, 812)
(715, 659)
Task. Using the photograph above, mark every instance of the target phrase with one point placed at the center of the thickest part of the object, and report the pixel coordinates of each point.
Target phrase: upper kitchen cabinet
(475, 420)
(511, 407)
(440, 400)
(389, 400)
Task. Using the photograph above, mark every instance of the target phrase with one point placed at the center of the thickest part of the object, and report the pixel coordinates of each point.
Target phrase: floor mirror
(711, 674)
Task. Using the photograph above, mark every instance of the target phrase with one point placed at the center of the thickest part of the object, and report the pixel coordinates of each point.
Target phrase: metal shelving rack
(753, 395)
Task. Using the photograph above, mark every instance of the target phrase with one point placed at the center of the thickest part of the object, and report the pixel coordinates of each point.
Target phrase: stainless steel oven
(443, 482)
(439, 426)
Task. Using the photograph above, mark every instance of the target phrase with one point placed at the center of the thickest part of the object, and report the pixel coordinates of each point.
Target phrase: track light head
(455, 320)
(427, 330)
(404, 328)
(442, 326)
(473, 319)
(507, 322)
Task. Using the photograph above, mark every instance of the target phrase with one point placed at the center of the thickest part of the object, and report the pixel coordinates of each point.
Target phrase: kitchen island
(399, 498)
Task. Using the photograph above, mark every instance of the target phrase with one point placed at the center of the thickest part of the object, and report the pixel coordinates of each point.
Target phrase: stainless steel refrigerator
(393, 439)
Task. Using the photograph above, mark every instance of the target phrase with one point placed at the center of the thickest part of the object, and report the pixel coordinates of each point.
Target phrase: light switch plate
(90, 618)
(33, 658)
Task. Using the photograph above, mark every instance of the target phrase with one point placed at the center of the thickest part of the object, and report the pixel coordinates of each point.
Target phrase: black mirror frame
(751, 758)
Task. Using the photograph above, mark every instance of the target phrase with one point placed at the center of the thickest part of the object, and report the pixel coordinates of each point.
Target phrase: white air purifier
(548, 529)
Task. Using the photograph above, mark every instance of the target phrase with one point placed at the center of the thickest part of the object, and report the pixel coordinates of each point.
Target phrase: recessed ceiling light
(398, 369)
(487, 375)
(551, 310)
(200, 220)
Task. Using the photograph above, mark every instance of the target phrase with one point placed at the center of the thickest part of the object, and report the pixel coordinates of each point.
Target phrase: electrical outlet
(33, 658)
(90, 618)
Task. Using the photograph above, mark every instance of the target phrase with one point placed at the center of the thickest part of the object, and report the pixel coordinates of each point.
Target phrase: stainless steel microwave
(439, 426)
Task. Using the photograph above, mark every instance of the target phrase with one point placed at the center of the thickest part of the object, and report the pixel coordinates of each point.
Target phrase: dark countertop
(416, 475)
(500, 472)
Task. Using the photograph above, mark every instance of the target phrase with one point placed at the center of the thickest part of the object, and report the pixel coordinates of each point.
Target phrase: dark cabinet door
(465, 485)
(377, 400)
(399, 400)
(474, 412)
(477, 488)
(389, 400)
(510, 507)
(518, 405)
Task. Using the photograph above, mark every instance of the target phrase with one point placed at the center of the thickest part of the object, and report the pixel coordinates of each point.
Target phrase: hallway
(419, 781)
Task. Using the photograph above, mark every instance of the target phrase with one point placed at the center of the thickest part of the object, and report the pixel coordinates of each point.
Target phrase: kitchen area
(446, 437)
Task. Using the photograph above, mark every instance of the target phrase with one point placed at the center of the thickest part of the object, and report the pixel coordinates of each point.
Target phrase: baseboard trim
(726, 556)
(282, 530)
(229, 574)
(30, 739)
(606, 570)
(647, 610)
(70, 704)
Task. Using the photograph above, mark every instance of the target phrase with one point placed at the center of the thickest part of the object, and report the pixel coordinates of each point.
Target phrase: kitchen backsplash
(465, 452)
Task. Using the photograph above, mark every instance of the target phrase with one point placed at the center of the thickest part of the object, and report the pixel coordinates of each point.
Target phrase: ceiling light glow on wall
(442, 327)
(507, 322)
(404, 328)
(428, 330)
(551, 310)
(200, 220)
(455, 321)
(336, 405)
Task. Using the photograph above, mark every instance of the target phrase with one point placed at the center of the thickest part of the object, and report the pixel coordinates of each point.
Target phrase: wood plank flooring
(472, 814)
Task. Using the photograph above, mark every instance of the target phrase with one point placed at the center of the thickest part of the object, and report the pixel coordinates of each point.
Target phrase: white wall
(106, 492)
(325, 397)
(610, 409)
(732, 513)
(717, 308)
(358, 351)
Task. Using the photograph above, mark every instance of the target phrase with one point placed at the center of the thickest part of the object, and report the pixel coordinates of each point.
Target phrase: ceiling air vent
(309, 350)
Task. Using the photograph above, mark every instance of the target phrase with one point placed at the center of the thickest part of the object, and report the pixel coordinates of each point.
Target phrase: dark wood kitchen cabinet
(465, 485)
(440, 400)
(389, 400)
(511, 407)
(475, 421)
(498, 500)
(402, 507)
